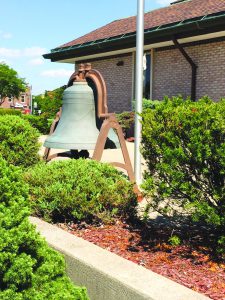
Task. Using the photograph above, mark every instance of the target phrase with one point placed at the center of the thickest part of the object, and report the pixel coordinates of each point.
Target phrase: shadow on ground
(155, 235)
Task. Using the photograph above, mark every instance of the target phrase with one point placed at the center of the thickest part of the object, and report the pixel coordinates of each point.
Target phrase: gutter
(193, 68)
(201, 25)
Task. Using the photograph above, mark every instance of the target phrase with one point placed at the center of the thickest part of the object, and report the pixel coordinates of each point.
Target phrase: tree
(51, 102)
(10, 83)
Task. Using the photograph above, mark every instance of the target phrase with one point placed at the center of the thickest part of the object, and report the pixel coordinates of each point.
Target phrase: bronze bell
(79, 125)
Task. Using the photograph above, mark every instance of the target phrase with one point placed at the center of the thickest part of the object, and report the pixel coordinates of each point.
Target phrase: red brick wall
(118, 81)
(172, 73)
(7, 104)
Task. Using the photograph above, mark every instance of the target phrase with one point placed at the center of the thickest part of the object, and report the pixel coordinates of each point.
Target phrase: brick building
(184, 46)
(22, 102)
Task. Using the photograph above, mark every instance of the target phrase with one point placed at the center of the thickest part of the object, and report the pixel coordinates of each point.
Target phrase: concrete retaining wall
(108, 276)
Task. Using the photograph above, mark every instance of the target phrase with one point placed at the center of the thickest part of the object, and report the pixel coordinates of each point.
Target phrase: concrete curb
(108, 276)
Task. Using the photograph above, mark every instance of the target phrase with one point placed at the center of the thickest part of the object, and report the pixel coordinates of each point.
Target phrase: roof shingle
(171, 14)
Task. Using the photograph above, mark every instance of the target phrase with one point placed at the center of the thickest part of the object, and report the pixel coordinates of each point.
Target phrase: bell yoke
(84, 123)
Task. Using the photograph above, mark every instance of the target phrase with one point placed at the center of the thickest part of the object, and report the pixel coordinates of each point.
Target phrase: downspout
(193, 68)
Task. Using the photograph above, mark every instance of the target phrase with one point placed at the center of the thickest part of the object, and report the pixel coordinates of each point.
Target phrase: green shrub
(126, 119)
(41, 122)
(147, 103)
(174, 240)
(10, 111)
(184, 147)
(29, 269)
(18, 141)
(79, 190)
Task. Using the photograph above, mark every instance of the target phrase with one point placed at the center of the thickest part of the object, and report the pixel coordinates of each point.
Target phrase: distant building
(22, 102)
(184, 45)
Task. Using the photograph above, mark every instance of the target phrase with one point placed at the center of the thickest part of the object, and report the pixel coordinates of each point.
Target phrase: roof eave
(160, 34)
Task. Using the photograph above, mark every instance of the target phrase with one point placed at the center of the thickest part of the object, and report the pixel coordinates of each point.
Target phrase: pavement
(109, 155)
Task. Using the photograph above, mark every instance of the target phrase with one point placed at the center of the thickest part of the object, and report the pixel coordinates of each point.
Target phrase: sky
(29, 29)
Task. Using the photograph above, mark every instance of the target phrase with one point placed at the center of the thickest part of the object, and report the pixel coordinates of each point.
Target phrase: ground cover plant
(18, 141)
(29, 268)
(79, 190)
(184, 147)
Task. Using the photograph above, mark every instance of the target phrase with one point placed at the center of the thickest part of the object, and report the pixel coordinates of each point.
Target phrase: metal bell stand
(109, 121)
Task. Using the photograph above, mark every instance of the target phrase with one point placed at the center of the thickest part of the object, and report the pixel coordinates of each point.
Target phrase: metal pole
(31, 101)
(139, 88)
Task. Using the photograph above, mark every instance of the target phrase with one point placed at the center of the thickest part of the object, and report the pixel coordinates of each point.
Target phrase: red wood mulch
(189, 265)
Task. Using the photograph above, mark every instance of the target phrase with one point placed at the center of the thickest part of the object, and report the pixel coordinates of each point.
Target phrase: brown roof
(171, 14)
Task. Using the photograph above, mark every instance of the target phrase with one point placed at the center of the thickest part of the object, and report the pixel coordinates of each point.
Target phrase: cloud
(26, 52)
(7, 52)
(36, 61)
(56, 73)
(34, 51)
(5, 61)
(164, 2)
(6, 35)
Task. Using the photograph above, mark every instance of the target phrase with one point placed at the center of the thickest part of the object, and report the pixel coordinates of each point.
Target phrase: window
(10, 98)
(22, 98)
(147, 77)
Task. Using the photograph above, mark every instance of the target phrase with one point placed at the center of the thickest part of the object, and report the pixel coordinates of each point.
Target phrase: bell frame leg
(111, 122)
(47, 157)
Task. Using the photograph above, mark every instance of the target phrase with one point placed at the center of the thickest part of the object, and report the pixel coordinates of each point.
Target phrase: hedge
(18, 141)
(80, 190)
(184, 148)
(29, 268)
(10, 111)
(41, 123)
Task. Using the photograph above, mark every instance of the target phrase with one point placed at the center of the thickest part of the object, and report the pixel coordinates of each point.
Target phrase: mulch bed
(192, 264)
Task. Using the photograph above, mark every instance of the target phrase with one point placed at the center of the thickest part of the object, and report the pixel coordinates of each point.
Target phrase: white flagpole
(139, 88)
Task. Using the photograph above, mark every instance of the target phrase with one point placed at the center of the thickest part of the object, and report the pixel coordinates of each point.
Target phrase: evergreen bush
(18, 141)
(126, 121)
(9, 111)
(147, 103)
(127, 118)
(41, 122)
(184, 147)
(83, 190)
(29, 269)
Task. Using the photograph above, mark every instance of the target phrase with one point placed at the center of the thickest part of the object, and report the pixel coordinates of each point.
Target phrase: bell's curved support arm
(99, 82)
(50, 157)
(76, 76)
(55, 121)
(72, 79)
(52, 129)
(111, 122)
